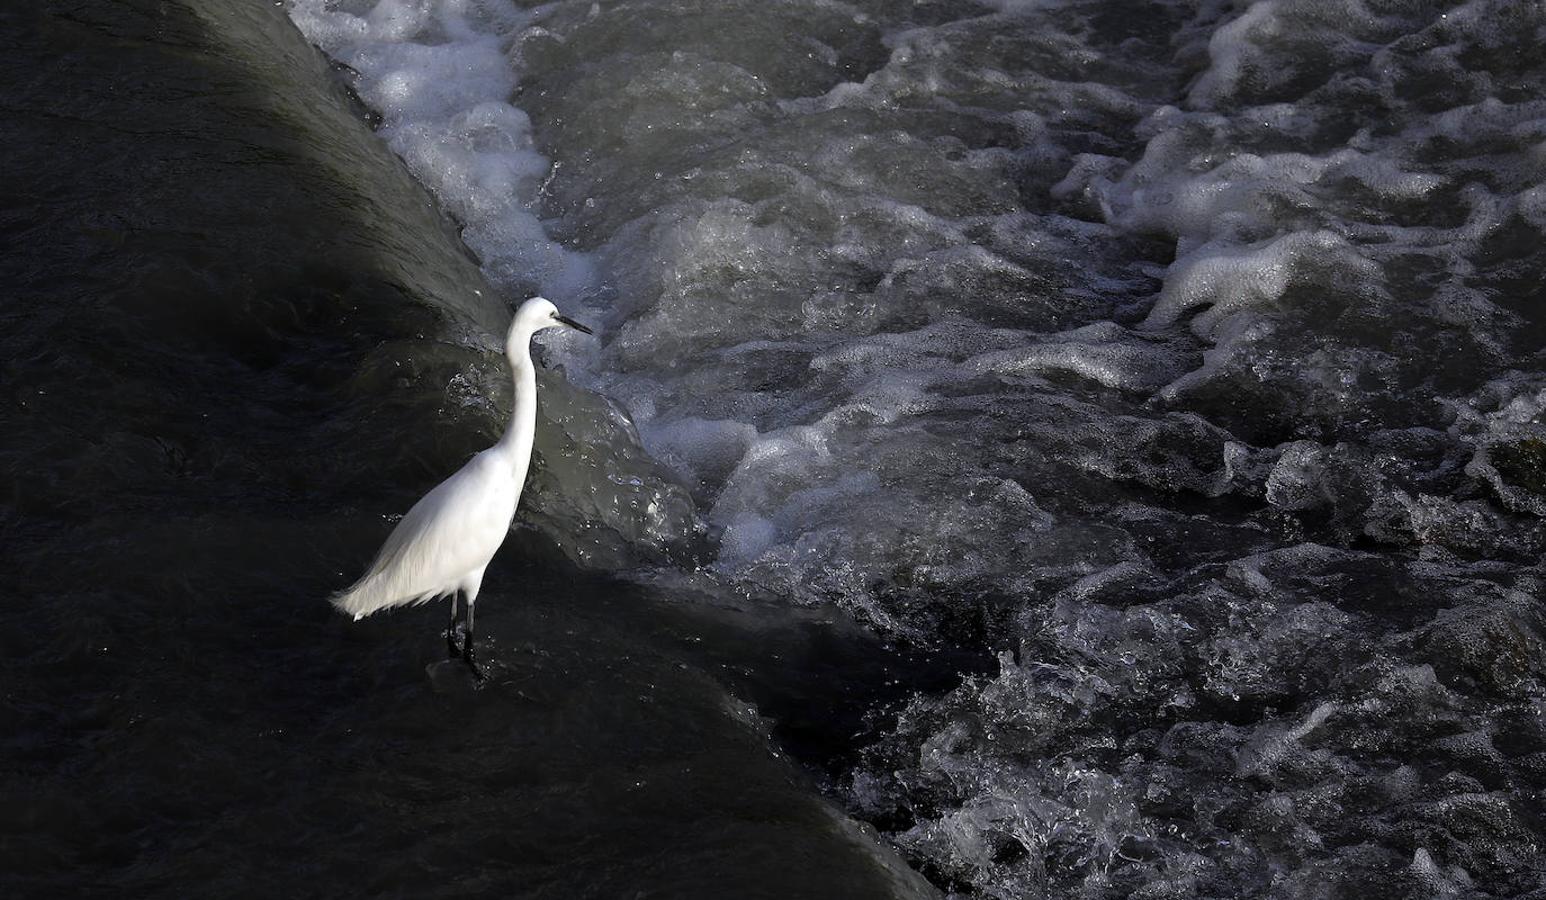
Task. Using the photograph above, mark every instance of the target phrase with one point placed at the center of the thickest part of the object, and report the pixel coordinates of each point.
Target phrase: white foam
(1228, 279)
(1104, 352)
(439, 75)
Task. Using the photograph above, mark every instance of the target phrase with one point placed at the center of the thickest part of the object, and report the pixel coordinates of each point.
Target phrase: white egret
(445, 542)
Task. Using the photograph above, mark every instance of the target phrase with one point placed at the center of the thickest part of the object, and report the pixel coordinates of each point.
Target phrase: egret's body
(446, 541)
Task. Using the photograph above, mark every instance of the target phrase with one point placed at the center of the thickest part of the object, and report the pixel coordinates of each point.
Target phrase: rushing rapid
(1186, 357)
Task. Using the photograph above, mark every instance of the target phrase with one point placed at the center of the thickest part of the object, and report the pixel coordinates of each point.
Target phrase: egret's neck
(516, 444)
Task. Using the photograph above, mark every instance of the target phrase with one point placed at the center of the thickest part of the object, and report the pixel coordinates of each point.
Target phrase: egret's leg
(470, 587)
(467, 648)
(451, 647)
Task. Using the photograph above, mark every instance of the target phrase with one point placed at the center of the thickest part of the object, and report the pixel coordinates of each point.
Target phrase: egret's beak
(573, 324)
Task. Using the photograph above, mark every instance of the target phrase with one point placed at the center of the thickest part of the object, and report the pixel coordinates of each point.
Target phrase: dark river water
(1030, 449)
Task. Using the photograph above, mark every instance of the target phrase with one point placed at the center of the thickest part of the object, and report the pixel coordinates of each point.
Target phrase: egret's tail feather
(358, 601)
(372, 594)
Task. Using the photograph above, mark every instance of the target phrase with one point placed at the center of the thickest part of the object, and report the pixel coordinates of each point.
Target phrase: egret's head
(539, 313)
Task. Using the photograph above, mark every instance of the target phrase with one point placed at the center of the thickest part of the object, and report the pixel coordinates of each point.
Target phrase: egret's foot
(479, 674)
(456, 637)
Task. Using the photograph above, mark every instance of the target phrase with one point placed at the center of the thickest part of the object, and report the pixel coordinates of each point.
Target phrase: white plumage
(445, 542)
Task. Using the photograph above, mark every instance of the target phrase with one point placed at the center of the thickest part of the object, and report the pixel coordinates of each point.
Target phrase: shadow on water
(216, 290)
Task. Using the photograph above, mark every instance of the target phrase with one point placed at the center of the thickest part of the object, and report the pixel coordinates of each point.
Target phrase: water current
(1103, 443)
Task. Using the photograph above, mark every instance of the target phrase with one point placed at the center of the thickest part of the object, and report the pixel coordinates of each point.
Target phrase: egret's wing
(452, 531)
(429, 524)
